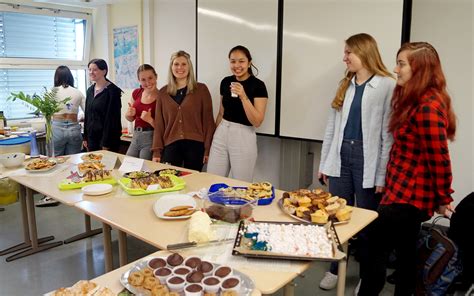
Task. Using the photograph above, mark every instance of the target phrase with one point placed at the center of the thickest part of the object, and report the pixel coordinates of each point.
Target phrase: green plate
(68, 184)
(178, 185)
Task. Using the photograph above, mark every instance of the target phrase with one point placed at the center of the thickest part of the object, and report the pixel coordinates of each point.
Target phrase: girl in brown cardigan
(184, 122)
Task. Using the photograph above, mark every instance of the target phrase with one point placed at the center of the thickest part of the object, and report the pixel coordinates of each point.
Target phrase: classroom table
(135, 216)
(47, 183)
(111, 279)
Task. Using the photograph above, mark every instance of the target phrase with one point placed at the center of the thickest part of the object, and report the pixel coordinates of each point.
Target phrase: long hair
(191, 84)
(63, 77)
(101, 64)
(246, 52)
(146, 67)
(427, 76)
(365, 48)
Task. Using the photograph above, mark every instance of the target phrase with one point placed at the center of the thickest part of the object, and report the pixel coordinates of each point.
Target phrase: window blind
(38, 37)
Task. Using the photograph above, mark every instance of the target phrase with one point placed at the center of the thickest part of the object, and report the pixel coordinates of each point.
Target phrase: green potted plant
(45, 104)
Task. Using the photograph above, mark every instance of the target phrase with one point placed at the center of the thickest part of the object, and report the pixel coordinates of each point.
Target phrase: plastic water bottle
(34, 146)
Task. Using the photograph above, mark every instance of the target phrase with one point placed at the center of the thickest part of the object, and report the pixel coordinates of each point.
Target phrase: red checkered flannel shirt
(419, 169)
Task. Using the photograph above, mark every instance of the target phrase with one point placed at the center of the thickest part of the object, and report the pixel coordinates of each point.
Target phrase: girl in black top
(243, 104)
(102, 123)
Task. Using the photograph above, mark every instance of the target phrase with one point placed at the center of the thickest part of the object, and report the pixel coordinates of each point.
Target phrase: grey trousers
(233, 149)
(141, 144)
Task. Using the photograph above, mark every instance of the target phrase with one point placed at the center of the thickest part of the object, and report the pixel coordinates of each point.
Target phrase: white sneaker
(329, 281)
(357, 288)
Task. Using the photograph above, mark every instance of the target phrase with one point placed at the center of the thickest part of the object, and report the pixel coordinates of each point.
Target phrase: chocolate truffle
(157, 263)
(194, 277)
(174, 259)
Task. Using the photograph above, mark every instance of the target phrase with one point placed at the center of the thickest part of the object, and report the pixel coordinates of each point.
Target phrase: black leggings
(184, 153)
(397, 227)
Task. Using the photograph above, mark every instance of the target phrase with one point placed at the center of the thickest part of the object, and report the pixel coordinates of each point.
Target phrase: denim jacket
(377, 141)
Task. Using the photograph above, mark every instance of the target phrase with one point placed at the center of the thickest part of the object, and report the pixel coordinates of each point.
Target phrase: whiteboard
(313, 43)
(222, 25)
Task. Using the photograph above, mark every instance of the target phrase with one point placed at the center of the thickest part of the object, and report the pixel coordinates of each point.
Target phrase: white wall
(175, 29)
(448, 26)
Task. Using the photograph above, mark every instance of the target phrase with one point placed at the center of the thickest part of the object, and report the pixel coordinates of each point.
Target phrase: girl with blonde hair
(184, 122)
(357, 142)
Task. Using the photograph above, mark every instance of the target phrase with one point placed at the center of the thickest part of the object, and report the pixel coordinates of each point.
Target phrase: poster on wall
(126, 56)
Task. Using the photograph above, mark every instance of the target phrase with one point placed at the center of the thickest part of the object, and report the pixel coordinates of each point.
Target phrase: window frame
(45, 63)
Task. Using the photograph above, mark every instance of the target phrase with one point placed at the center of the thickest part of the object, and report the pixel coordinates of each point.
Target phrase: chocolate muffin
(174, 259)
(164, 271)
(211, 281)
(222, 271)
(176, 280)
(194, 288)
(192, 262)
(181, 271)
(194, 277)
(230, 283)
(205, 267)
(156, 263)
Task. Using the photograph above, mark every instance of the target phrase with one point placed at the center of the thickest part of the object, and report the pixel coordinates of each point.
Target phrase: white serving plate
(97, 189)
(166, 202)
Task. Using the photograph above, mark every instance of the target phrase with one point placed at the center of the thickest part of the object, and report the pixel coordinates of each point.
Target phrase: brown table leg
(108, 259)
(122, 238)
(32, 242)
(88, 233)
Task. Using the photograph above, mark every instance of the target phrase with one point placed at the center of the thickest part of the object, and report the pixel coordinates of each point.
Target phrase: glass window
(31, 47)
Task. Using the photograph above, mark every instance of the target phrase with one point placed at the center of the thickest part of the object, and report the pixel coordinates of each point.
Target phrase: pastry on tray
(143, 183)
(96, 175)
(315, 206)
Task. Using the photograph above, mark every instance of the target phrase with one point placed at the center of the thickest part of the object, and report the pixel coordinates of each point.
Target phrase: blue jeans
(141, 144)
(349, 187)
(67, 137)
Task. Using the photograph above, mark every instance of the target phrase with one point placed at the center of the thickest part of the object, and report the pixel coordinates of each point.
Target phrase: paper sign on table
(109, 161)
(131, 164)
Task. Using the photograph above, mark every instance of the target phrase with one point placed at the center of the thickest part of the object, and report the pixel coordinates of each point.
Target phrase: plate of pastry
(93, 156)
(151, 184)
(40, 165)
(315, 206)
(262, 192)
(76, 181)
(174, 206)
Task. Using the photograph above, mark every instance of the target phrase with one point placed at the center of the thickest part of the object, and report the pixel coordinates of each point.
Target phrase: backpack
(438, 263)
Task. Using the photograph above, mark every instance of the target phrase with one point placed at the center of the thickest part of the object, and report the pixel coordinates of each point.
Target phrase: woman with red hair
(418, 181)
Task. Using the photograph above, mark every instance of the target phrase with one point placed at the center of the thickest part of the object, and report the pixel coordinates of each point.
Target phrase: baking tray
(177, 182)
(240, 240)
(331, 218)
(247, 284)
(219, 197)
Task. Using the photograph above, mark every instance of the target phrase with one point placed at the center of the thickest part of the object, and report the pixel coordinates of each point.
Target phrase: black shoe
(47, 202)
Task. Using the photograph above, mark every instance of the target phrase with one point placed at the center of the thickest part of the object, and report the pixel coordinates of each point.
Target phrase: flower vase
(49, 138)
